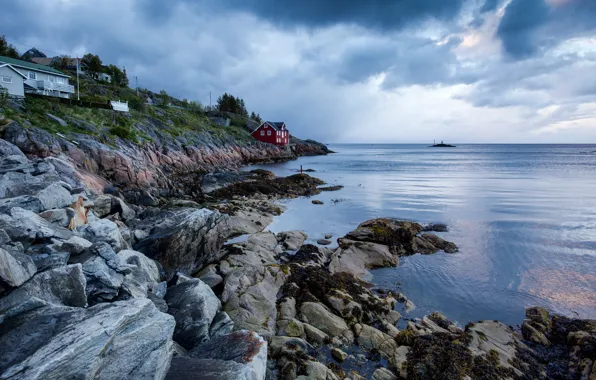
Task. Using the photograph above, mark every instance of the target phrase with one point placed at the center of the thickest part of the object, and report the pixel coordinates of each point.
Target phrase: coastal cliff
(115, 263)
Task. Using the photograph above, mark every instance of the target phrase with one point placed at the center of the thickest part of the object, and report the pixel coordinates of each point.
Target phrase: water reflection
(523, 216)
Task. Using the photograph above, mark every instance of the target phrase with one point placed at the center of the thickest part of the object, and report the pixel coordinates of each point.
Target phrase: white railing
(55, 86)
(119, 106)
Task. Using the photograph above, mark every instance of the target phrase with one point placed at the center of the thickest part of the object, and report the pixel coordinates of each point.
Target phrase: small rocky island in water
(441, 145)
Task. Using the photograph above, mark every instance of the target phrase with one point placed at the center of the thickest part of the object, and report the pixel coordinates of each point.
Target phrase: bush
(123, 128)
(137, 104)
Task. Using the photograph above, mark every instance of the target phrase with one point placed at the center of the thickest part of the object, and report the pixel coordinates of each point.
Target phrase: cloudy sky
(349, 70)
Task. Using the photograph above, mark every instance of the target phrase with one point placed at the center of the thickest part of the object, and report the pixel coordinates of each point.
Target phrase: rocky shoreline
(143, 285)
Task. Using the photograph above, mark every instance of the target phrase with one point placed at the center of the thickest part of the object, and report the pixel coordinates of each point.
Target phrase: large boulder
(292, 240)
(106, 204)
(53, 196)
(195, 307)
(104, 272)
(121, 340)
(319, 316)
(58, 286)
(402, 237)
(104, 230)
(184, 240)
(357, 257)
(15, 268)
(25, 226)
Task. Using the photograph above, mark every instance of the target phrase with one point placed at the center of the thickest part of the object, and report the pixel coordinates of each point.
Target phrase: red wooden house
(273, 133)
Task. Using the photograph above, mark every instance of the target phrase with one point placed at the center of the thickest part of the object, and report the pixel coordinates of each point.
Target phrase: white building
(12, 80)
(41, 79)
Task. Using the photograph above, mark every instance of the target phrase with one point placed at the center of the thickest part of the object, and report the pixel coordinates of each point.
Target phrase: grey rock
(221, 325)
(317, 315)
(8, 149)
(209, 276)
(15, 268)
(105, 205)
(314, 335)
(194, 306)
(292, 240)
(290, 327)
(104, 272)
(323, 242)
(104, 230)
(328, 236)
(184, 240)
(287, 308)
(59, 286)
(183, 368)
(45, 261)
(25, 226)
(126, 339)
(76, 245)
(338, 354)
(51, 197)
(285, 345)
(357, 257)
(143, 268)
(56, 119)
(383, 374)
(57, 216)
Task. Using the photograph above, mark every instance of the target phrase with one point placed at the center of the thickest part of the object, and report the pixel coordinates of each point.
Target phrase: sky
(349, 71)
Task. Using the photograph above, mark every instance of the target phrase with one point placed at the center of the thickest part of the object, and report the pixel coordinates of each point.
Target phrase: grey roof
(276, 124)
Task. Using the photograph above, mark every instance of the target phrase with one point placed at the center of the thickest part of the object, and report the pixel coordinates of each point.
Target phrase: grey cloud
(376, 14)
(530, 26)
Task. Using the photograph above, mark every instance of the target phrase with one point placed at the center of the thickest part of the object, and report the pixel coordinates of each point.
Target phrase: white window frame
(32, 77)
(6, 79)
(268, 133)
(262, 133)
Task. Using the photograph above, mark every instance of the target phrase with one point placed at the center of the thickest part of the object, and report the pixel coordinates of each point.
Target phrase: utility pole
(78, 86)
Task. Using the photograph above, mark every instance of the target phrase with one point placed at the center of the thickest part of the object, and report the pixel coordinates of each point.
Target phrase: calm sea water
(524, 217)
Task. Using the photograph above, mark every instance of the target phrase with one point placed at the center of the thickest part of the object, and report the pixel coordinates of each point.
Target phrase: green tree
(229, 103)
(62, 62)
(164, 98)
(92, 64)
(256, 117)
(8, 50)
(119, 77)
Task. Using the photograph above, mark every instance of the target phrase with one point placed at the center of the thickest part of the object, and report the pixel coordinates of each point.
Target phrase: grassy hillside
(173, 116)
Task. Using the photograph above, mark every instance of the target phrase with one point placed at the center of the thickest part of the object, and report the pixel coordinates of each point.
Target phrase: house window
(60, 80)
(262, 133)
(52, 79)
(268, 133)
(32, 75)
(6, 79)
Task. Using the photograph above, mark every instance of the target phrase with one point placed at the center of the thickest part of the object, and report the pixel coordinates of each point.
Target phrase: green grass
(177, 121)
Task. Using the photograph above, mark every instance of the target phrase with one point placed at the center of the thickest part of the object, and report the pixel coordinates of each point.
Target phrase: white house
(41, 79)
(12, 80)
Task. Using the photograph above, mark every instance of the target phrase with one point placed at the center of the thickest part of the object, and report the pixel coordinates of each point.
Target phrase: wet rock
(328, 236)
(319, 316)
(184, 240)
(284, 345)
(324, 242)
(317, 202)
(309, 254)
(194, 306)
(372, 339)
(338, 354)
(292, 240)
(287, 308)
(290, 327)
(402, 237)
(357, 257)
(492, 336)
(400, 357)
(383, 374)
(128, 339)
(8, 149)
(291, 186)
(435, 227)
(15, 268)
(314, 335)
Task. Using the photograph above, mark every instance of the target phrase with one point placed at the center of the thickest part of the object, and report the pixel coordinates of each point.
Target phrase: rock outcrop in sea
(142, 284)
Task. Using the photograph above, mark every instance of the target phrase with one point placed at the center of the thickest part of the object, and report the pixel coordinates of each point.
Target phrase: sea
(523, 216)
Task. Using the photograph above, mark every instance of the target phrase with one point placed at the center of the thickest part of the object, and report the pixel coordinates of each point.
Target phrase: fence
(73, 102)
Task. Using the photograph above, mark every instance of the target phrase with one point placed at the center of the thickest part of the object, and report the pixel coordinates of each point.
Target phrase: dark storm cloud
(530, 26)
(387, 15)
